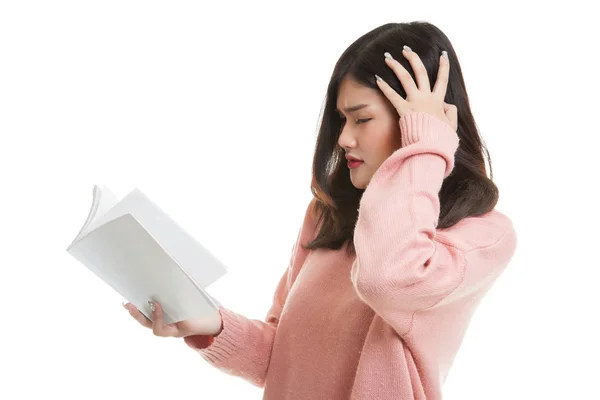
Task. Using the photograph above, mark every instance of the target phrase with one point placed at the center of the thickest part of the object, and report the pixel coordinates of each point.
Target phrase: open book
(137, 249)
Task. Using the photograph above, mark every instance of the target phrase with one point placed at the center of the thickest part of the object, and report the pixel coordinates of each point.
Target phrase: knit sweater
(387, 322)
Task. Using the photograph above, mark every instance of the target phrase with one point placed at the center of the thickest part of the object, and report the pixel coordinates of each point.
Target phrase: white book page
(125, 256)
(102, 201)
(203, 267)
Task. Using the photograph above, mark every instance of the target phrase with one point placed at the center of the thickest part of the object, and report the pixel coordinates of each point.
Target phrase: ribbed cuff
(432, 132)
(217, 349)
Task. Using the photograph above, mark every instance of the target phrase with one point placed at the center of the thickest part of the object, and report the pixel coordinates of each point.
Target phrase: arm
(402, 265)
(243, 347)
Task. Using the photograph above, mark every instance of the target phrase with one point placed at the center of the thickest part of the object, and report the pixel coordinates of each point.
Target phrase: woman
(396, 250)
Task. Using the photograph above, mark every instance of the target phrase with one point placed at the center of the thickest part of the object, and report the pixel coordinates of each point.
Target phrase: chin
(359, 185)
(358, 181)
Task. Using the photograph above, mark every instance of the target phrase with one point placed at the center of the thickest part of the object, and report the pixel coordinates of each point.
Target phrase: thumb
(451, 112)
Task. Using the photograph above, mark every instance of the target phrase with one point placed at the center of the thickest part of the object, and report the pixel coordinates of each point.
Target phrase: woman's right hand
(210, 325)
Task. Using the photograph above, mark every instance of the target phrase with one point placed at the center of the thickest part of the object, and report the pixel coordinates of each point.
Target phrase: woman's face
(371, 133)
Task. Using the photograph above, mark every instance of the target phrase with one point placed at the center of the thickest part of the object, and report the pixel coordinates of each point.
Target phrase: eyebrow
(353, 108)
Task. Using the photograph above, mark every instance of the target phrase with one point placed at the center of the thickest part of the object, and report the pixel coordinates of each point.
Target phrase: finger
(135, 313)
(454, 117)
(419, 69)
(397, 101)
(158, 325)
(441, 82)
(451, 112)
(403, 75)
(157, 318)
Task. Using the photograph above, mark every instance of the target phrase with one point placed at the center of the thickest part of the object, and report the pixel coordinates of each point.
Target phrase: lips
(354, 164)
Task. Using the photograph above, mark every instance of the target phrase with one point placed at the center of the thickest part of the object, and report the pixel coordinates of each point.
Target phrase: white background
(212, 110)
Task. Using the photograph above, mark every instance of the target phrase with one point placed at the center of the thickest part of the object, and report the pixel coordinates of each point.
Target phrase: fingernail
(378, 78)
(152, 307)
(407, 48)
(445, 54)
(388, 55)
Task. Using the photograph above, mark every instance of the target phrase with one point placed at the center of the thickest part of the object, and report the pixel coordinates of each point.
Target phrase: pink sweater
(387, 323)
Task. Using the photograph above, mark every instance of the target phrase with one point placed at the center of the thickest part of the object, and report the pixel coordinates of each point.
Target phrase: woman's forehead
(353, 94)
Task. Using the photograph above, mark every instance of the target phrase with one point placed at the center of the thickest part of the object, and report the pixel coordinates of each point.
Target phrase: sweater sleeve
(243, 347)
(402, 265)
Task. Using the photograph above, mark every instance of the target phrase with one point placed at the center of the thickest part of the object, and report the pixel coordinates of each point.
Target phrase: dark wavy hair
(467, 191)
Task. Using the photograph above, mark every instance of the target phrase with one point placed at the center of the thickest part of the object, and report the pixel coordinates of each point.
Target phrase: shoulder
(492, 233)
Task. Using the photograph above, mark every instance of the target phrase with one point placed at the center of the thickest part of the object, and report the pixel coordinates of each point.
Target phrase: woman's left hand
(421, 98)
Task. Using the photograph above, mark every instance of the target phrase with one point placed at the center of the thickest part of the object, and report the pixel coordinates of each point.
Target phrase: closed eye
(359, 121)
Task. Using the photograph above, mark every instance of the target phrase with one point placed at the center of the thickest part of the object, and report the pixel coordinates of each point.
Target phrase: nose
(347, 138)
